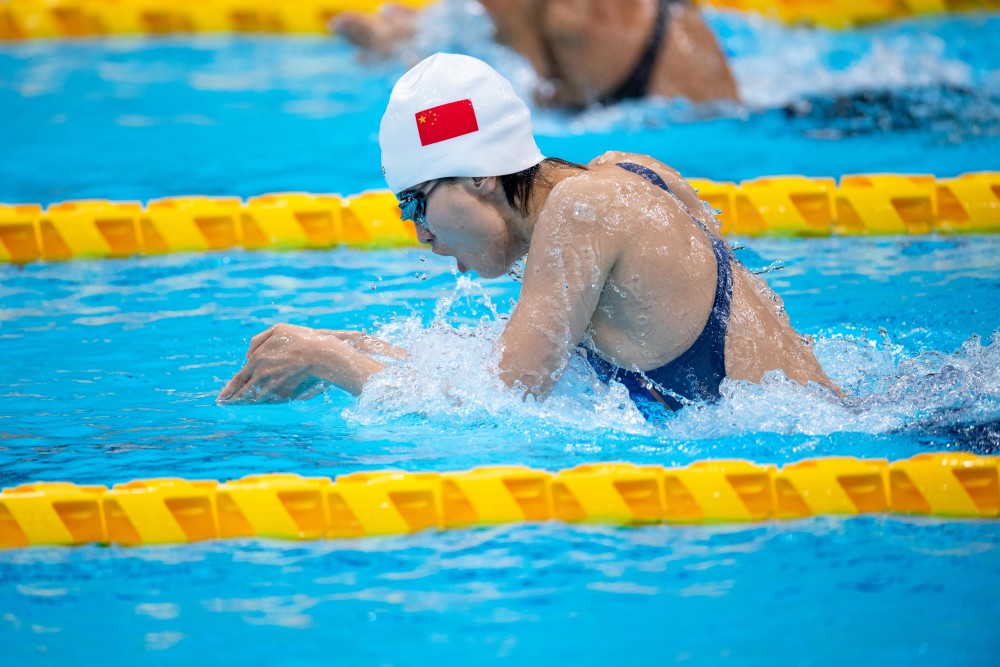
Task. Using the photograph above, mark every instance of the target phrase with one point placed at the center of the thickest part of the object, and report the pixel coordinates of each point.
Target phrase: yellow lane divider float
(24, 19)
(288, 506)
(771, 206)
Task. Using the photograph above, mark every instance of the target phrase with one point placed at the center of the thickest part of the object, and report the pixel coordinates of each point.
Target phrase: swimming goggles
(413, 205)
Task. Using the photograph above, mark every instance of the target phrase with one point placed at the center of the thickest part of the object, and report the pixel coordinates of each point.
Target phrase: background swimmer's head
(454, 115)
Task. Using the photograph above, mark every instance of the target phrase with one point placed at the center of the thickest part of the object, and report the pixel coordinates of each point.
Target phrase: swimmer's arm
(568, 264)
(367, 343)
(288, 362)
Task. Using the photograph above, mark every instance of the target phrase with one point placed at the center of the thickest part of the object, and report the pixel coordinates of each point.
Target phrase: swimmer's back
(660, 290)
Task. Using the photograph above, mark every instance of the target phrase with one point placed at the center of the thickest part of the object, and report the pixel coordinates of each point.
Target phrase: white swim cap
(451, 116)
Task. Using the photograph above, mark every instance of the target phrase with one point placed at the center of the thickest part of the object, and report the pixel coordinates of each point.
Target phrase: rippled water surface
(108, 371)
(817, 592)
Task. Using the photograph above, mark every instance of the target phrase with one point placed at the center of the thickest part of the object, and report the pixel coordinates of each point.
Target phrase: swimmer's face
(461, 221)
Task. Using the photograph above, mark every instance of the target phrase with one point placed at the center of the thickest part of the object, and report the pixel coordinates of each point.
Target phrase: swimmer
(585, 51)
(624, 263)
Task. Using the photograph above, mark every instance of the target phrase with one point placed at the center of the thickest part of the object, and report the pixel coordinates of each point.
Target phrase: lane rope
(861, 204)
(289, 506)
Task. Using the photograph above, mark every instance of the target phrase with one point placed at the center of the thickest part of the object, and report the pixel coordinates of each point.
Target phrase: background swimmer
(586, 51)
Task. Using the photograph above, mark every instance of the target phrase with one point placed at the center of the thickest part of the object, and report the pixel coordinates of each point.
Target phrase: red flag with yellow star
(446, 122)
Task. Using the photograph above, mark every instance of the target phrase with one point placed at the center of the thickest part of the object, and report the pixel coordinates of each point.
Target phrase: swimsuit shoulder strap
(646, 173)
(658, 181)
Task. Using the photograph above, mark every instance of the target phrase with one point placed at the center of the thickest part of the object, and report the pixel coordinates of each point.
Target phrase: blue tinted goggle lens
(412, 207)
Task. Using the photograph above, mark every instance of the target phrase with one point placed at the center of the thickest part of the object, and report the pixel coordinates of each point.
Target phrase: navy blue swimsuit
(698, 372)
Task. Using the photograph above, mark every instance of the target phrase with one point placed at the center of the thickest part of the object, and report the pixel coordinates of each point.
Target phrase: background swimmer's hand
(289, 362)
(377, 33)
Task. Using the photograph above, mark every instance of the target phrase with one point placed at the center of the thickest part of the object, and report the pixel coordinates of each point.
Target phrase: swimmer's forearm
(346, 368)
(533, 367)
(369, 344)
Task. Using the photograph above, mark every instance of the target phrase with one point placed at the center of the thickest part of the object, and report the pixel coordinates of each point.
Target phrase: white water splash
(450, 378)
(778, 64)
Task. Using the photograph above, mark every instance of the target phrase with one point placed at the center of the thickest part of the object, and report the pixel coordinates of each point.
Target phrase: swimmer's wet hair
(517, 187)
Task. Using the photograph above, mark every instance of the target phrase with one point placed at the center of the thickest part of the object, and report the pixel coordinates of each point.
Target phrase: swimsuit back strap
(636, 85)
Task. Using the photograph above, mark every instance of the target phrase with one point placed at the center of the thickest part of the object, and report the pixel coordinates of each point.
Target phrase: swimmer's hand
(289, 362)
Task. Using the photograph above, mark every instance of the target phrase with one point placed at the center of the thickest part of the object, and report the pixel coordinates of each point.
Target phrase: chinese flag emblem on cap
(446, 122)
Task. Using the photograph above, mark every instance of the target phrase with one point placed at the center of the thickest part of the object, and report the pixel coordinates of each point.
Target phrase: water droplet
(584, 211)
(774, 266)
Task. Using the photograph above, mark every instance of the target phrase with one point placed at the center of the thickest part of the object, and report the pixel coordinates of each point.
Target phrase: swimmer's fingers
(266, 388)
(236, 384)
(246, 393)
(311, 392)
(260, 339)
(278, 388)
(276, 334)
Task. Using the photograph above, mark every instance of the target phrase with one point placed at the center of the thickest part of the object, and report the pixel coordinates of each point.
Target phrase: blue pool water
(108, 371)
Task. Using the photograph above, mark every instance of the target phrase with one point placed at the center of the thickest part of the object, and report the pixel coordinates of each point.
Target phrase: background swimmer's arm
(376, 32)
(570, 258)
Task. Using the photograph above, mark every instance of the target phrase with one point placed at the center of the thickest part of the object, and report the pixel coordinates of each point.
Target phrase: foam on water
(776, 64)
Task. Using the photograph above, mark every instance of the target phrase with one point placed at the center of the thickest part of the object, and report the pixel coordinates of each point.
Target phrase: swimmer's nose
(424, 236)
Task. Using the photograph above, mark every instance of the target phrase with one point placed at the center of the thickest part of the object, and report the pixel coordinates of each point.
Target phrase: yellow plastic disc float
(289, 506)
(862, 204)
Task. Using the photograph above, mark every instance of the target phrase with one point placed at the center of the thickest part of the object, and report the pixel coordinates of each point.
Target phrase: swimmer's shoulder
(675, 181)
(594, 186)
(665, 171)
(598, 183)
(587, 202)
